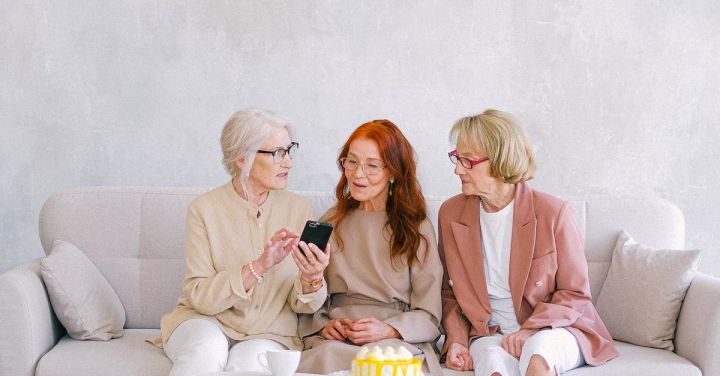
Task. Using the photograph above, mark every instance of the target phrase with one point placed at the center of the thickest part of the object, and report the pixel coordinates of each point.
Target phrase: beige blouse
(362, 281)
(224, 232)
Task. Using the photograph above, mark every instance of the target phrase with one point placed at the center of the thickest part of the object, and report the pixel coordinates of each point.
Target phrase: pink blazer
(548, 273)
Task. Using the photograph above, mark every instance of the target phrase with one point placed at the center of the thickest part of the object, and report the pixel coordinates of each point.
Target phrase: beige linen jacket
(225, 232)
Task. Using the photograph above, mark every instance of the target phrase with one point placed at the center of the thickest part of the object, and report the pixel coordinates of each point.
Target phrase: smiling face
(476, 180)
(370, 190)
(265, 174)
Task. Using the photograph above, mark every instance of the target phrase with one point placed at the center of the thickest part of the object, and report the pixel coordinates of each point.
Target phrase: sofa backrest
(135, 236)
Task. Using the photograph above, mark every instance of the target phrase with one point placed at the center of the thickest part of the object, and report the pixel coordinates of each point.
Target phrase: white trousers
(557, 346)
(199, 347)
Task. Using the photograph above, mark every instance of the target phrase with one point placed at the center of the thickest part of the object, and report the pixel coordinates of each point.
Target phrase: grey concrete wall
(618, 96)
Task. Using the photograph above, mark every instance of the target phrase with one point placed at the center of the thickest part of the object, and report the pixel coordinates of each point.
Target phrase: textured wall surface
(619, 97)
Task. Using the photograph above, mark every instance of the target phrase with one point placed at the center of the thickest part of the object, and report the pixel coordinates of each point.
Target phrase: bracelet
(258, 278)
(314, 283)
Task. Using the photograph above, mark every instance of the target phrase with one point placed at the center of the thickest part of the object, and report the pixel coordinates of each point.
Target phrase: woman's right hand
(458, 358)
(278, 247)
(335, 329)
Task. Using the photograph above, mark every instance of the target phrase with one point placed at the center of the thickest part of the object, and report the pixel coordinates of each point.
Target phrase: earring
(392, 181)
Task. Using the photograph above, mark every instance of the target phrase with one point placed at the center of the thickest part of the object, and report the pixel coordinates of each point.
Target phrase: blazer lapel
(466, 232)
(522, 245)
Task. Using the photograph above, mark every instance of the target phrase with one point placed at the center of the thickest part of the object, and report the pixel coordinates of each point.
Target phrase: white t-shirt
(496, 233)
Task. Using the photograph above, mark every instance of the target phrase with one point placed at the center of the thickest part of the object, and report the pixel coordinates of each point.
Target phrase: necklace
(243, 194)
(484, 208)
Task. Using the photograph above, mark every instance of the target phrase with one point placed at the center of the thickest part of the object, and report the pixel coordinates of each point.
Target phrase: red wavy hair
(406, 207)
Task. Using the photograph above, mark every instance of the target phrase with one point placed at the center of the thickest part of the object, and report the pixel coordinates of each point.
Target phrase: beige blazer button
(538, 283)
(450, 282)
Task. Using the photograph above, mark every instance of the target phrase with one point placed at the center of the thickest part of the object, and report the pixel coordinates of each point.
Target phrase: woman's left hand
(370, 329)
(514, 342)
(311, 260)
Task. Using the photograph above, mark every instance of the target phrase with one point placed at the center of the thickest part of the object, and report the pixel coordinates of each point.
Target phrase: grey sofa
(135, 237)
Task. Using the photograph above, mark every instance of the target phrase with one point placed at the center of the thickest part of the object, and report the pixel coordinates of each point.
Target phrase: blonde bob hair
(244, 134)
(498, 134)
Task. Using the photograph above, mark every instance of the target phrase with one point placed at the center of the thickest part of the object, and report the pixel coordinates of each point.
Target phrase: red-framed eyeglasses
(465, 162)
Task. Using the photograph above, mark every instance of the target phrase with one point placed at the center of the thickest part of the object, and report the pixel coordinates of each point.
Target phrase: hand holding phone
(311, 256)
(317, 233)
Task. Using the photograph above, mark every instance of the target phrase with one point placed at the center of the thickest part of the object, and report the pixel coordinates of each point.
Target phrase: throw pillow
(83, 300)
(641, 297)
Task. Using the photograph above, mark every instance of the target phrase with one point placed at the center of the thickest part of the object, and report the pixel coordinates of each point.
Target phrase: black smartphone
(317, 233)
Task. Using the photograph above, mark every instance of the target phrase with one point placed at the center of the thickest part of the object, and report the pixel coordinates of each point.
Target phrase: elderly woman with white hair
(241, 292)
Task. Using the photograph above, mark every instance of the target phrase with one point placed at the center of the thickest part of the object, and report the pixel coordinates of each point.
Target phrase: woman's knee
(198, 341)
(557, 348)
(538, 366)
(492, 361)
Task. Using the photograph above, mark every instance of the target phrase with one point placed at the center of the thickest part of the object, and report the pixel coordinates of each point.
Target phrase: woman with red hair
(384, 279)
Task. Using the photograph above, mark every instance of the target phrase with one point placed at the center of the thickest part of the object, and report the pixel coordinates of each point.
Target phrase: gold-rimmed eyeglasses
(369, 168)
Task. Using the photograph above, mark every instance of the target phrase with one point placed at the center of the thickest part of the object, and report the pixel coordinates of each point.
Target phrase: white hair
(244, 134)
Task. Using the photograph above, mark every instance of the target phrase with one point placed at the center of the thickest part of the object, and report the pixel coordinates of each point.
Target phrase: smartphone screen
(317, 233)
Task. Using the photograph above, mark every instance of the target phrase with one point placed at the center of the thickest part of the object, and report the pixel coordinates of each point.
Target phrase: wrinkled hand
(336, 329)
(311, 260)
(278, 247)
(514, 342)
(458, 358)
(370, 329)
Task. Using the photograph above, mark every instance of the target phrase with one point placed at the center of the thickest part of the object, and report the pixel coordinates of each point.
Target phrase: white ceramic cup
(280, 362)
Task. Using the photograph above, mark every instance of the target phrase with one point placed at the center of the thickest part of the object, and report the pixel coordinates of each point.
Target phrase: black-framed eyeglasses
(369, 168)
(465, 162)
(280, 153)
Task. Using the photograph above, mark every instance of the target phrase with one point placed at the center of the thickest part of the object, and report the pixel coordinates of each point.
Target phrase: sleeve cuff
(317, 296)
(413, 328)
(406, 333)
(238, 286)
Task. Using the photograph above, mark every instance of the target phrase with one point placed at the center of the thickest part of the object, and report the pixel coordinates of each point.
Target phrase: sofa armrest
(28, 325)
(697, 337)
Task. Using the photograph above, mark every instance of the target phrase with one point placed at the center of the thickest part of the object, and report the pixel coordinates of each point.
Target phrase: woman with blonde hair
(384, 280)
(241, 291)
(515, 292)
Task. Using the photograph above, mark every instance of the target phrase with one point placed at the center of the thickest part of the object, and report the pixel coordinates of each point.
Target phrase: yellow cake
(390, 362)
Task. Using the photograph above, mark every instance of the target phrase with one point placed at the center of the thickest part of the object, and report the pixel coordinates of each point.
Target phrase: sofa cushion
(83, 301)
(129, 355)
(638, 360)
(633, 360)
(135, 237)
(641, 297)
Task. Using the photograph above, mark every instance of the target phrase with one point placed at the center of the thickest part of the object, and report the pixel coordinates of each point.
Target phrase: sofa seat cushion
(633, 361)
(637, 360)
(128, 355)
